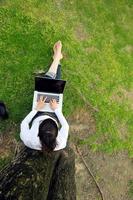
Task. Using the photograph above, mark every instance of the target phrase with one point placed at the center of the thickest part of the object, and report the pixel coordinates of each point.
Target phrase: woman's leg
(58, 74)
(55, 68)
(51, 75)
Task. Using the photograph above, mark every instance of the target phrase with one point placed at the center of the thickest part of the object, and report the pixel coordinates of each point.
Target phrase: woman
(34, 174)
(39, 130)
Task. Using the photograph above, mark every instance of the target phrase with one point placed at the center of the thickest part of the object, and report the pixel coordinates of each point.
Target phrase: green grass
(130, 191)
(97, 43)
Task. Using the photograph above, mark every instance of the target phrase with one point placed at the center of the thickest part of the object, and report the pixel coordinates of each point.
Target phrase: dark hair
(48, 131)
(3, 111)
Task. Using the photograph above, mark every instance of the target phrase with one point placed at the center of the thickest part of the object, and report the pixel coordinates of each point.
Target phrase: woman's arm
(25, 130)
(63, 133)
(61, 118)
(24, 127)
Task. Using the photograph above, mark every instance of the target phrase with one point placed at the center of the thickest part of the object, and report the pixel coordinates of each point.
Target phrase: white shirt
(30, 137)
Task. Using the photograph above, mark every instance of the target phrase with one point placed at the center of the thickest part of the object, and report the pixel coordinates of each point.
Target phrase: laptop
(50, 88)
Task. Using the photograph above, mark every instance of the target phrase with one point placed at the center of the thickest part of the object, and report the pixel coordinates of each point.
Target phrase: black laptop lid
(49, 85)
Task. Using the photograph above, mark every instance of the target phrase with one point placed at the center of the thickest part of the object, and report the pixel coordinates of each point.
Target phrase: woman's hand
(53, 104)
(40, 103)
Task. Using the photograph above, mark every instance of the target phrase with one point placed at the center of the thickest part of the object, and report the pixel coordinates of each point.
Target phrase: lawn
(98, 55)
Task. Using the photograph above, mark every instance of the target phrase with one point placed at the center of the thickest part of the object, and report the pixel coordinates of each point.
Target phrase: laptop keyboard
(49, 97)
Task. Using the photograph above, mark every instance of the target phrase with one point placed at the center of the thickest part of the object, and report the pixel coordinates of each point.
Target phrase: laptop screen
(49, 85)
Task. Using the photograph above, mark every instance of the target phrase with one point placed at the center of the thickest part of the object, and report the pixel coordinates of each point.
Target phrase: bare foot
(57, 50)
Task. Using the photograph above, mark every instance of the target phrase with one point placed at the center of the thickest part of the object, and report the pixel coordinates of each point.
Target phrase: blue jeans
(52, 75)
